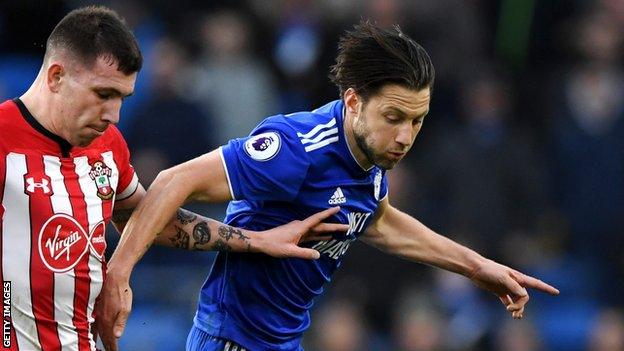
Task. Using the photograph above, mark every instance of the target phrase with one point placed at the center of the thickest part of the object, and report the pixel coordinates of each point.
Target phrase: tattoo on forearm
(227, 233)
(122, 215)
(221, 245)
(201, 235)
(180, 239)
(185, 217)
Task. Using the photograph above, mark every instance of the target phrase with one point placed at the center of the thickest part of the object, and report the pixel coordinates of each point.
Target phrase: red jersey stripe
(41, 278)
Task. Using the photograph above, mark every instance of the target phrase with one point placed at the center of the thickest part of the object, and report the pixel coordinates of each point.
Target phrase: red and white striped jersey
(56, 201)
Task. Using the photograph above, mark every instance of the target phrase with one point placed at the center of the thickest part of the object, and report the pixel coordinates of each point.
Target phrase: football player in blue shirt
(290, 167)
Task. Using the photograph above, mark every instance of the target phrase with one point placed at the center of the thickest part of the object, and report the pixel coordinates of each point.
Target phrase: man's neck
(40, 107)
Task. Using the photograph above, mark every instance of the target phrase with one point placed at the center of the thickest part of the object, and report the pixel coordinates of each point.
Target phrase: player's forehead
(409, 101)
(103, 74)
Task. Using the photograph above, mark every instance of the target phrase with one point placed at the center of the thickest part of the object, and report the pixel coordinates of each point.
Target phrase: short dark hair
(94, 31)
(370, 57)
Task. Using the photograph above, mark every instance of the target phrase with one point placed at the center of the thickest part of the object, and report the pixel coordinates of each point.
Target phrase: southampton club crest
(100, 173)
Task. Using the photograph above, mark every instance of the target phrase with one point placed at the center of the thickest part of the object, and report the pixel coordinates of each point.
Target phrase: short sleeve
(268, 165)
(128, 180)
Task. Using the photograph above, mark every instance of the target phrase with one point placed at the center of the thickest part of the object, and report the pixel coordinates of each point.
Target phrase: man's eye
(103, 96)
(392, 118)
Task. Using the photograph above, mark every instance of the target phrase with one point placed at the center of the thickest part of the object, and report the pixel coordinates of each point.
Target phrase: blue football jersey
(290, 167)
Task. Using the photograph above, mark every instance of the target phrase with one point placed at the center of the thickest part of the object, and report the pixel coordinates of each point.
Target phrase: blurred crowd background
(520, 158)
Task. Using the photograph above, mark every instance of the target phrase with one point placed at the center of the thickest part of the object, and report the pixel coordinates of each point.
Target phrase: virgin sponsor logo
(63, 242)
(6, 314)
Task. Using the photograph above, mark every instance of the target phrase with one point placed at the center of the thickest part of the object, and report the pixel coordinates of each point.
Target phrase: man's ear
(352, 101)
(54, 76)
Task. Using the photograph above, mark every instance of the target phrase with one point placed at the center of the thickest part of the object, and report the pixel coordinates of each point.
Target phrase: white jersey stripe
(317, 128)
(16, 247)
(64, 283)
(227, 174)
(95, 216)
(321, 144)
(320, 136)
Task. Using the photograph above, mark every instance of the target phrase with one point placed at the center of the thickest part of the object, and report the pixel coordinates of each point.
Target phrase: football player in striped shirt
(65, 174)
(293, 165)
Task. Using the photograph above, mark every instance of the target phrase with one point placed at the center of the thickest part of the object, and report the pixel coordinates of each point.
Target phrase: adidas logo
(337, 198)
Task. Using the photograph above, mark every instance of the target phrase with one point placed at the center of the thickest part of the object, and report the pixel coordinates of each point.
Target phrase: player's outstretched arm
(395, 232)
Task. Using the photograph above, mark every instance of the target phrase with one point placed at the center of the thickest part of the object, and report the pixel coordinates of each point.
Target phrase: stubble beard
(363, 140)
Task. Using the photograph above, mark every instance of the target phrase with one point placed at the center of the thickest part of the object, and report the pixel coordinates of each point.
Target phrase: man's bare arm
(188, 230)
(398, 233)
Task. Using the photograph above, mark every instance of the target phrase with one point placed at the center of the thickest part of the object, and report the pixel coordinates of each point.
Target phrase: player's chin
(86, 139)
(387, 164)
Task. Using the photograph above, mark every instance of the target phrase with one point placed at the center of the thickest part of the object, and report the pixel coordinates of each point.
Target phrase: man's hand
(283, 241)
(509, 285)
(112, 309)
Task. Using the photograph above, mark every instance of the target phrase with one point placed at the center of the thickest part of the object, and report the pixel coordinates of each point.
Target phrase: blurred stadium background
(521, 156)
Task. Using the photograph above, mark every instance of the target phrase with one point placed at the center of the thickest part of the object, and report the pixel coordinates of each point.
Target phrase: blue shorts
(199, 340)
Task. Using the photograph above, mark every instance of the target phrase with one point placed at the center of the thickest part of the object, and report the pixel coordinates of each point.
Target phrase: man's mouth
(100, 130)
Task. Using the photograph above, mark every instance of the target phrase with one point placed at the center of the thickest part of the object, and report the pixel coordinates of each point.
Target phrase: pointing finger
(534, 283)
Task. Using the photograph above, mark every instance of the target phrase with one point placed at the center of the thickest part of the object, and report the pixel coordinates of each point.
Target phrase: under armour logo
(42, 184)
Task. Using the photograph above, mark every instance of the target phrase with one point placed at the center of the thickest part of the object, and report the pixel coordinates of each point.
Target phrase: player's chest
(358, 199)
(61, 184)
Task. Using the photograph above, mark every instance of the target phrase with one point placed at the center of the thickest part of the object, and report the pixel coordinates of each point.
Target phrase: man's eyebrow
(396, 110)
(403, 114)
(113, 91)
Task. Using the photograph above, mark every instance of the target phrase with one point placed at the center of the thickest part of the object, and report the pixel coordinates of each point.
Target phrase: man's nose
(111, 114)
(404, 134)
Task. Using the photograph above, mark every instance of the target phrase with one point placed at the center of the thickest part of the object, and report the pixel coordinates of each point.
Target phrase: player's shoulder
(310, 128)
(8, 112)
(320, 118)
(12, 123)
